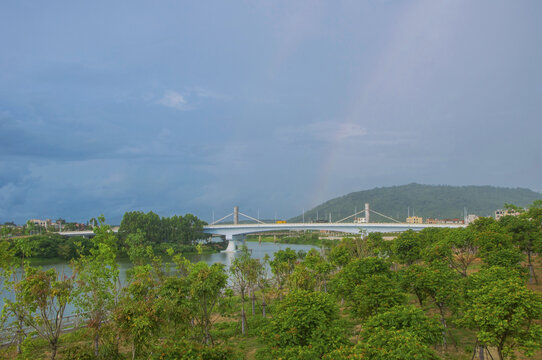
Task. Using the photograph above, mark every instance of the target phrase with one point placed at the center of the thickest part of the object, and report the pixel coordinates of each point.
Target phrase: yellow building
(414, 220)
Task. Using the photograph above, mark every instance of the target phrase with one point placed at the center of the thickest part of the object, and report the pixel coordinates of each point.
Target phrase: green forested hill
(435, 201)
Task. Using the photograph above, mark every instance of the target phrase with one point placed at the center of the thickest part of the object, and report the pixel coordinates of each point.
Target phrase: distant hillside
(434, 201)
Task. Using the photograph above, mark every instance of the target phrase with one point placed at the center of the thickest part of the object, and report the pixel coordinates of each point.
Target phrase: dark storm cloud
(197, 107)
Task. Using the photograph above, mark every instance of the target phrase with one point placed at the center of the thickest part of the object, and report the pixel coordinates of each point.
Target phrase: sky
(275, 106)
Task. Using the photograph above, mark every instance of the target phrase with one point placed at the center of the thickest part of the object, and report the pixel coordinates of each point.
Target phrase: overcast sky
(197, 106)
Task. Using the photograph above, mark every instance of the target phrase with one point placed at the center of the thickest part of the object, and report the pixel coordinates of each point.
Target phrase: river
(258, 251)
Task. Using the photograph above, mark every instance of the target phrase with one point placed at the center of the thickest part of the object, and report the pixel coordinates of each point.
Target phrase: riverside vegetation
(437, 294)
(180, 233)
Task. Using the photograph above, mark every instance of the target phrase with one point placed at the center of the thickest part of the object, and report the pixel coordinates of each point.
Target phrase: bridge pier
(233, 241)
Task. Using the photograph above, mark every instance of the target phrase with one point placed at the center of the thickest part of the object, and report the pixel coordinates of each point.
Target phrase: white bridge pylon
(233, 238)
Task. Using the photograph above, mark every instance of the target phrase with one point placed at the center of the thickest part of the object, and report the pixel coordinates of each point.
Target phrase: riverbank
(46, 251)
(291, 240)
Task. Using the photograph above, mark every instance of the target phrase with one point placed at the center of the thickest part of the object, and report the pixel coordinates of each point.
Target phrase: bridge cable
(348, 217)
(251, 218)
(387, 217)
(219, 220)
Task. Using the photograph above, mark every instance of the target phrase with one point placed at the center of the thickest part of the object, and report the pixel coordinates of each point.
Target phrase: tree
(526, 235)
(97, 278)
(496, 249)
(15, 265)
(376, 293)
(254, 271)
(46, 295)
(504, 313)
(439, 283)
(206, 286)
(263, 282)
(174, 304)
(457, 247)
(384, 344)
(137, 314)
(282, 265)
(425, 329)
(483, 224)
(302, 278)
(304, 325)
(412, 279)
(319, 268)
(240, 270)
(407, 247)
(355, 273)
(339, 255)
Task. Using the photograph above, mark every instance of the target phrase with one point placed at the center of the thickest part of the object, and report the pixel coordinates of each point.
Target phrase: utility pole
(303, 215)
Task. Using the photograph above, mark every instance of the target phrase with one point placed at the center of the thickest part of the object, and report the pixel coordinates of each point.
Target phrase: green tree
(339, 255)
(263, 282)
(504, 314)
(413, 280)
(376, 293)
(15, 264)
(457, 247)
(440, 283)
(282, 265)
(319, 268)
(426, 329)
(240, 270)
(304, 326)
(384, 344)
(496, 249)
(46, 294)
(97, 279)
(355, 273)
(526, 235)
(407, 247)
(206, 286)
(137, 315)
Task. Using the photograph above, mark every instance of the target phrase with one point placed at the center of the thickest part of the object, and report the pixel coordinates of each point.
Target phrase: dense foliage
(52, 246)
(176, 229)
(436, 294)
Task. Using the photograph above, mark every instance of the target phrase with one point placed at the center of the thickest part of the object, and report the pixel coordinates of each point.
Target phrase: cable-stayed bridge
(237, 231)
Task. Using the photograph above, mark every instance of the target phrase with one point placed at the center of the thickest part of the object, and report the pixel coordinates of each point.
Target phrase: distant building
(470, 218)
(444, 221)
(41, 223)
(414, 220)
(453, 221)
(500, 213)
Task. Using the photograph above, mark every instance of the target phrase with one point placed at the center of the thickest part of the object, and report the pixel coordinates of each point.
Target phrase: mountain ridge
(434, 201)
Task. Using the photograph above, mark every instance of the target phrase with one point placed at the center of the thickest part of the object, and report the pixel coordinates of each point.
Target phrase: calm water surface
(258, 251)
